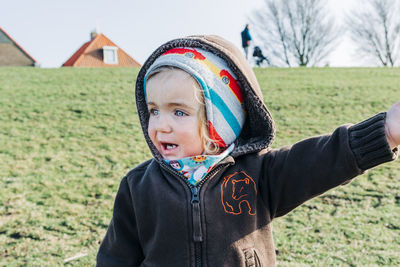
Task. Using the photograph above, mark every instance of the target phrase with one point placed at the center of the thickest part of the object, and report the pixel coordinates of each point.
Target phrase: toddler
(208, 196)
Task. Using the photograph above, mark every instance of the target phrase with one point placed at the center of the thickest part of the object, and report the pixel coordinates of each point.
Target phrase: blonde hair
(209, 145)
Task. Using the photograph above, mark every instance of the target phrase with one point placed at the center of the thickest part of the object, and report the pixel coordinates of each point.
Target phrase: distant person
(208, 196)
(260, 58)
(246, 38)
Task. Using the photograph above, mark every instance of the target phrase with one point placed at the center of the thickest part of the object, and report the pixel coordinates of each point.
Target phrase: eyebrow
(173, 104)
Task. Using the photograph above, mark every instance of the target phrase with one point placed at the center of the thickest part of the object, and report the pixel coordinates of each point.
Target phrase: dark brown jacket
(160, 219)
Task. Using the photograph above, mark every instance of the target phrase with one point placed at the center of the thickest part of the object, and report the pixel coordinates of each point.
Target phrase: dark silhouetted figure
(246, 38)
(257, 53)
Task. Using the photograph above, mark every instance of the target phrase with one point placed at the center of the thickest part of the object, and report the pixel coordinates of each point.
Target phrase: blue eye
(153, 112)
(180, 113)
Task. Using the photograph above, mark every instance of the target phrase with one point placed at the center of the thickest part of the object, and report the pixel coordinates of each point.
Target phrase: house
(100, 52)
(12, 54)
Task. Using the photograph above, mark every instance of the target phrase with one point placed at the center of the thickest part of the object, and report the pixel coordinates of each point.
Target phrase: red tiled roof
(90, 55)
(17, 45)
(76, 55)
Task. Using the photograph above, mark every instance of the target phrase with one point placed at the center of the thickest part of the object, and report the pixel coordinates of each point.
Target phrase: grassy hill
(67, 136)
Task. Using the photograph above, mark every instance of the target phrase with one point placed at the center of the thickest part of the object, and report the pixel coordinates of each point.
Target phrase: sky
(52, 30)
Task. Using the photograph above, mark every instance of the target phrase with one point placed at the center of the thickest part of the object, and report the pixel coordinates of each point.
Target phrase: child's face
(174, 126)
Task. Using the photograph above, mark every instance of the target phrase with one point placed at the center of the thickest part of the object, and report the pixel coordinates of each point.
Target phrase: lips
(169, 146)
(168, 149)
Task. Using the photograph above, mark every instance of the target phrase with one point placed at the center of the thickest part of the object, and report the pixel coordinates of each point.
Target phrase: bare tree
(376, 30)
(295, 32)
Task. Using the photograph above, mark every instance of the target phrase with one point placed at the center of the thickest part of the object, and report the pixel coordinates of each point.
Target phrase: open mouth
(168, 146)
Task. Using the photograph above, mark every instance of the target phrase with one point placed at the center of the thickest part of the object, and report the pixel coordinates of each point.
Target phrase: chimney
(93, 34)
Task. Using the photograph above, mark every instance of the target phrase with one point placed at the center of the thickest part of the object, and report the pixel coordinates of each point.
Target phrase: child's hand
(392, 125)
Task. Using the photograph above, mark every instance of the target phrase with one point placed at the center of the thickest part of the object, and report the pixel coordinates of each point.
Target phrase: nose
(162, 124)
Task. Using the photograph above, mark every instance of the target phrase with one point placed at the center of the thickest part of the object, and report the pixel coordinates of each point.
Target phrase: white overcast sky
(52, 30)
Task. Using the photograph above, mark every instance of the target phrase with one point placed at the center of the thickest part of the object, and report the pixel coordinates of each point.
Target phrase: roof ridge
(91, 42)
(126, 54)
(18, 46)
(72, 59)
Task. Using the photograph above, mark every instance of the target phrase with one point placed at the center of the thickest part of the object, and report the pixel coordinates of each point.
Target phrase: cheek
(192, 130)
(193, 139)
(151, 129)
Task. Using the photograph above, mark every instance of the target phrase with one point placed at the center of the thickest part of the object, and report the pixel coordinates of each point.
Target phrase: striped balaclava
(223, 97)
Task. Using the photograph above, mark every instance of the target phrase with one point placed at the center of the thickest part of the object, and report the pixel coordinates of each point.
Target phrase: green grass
(67, 136)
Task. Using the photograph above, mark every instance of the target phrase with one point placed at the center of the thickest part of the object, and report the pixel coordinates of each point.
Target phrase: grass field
(67, 136)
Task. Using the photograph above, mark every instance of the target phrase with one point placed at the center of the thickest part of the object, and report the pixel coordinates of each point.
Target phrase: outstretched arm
(392, 126)
(314, 165)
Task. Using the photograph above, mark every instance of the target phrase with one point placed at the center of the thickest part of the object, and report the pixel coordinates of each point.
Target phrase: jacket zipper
(196, 214)
(197, 234)
(195, 201)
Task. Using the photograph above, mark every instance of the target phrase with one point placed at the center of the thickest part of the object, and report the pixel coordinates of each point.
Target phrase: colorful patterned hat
(223, 97)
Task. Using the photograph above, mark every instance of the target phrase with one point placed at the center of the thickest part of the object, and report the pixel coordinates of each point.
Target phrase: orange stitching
(226, 204)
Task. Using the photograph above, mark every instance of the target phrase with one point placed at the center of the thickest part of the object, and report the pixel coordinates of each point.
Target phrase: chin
(172, 157)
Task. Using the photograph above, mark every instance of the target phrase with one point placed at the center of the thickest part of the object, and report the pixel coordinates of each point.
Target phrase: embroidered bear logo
(239, 191)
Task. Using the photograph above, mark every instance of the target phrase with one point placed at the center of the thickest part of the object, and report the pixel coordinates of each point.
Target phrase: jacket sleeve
(121, 246)
(310, 167)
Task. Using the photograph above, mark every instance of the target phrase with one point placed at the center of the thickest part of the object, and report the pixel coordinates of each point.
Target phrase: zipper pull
(197, 235)
(195, 195)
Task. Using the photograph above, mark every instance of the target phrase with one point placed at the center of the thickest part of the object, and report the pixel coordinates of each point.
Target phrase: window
(110, 55)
